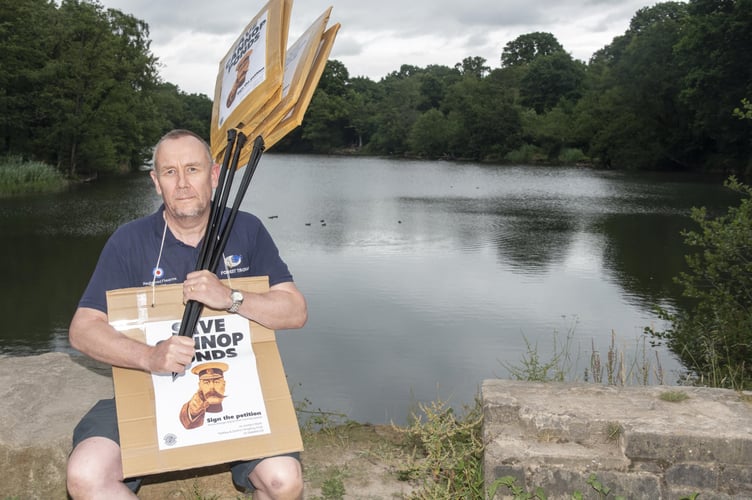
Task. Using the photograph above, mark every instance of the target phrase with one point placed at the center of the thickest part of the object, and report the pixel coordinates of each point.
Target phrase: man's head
(184, 174)
(211, 380)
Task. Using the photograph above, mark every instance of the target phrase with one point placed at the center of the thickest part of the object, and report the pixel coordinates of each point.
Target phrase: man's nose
(182, 178)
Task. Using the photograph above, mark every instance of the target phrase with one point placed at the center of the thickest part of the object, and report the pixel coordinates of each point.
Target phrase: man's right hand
(171, 355)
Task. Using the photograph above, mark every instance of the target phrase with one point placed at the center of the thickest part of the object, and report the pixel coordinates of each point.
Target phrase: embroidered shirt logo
(157, 272)
(232, 261)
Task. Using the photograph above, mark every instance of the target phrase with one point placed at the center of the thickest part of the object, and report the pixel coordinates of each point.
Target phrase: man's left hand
(204, 286)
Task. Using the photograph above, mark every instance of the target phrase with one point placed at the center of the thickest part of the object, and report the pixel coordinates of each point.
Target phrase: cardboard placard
(297, 111)
(250, 75)
(299, 59)
(148, 444)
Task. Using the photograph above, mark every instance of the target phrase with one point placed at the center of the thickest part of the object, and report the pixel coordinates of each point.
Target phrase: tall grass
(21, 177)
(636, 368)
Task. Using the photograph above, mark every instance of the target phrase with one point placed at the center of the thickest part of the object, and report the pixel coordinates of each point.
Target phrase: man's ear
(215, 175)
(155, 180)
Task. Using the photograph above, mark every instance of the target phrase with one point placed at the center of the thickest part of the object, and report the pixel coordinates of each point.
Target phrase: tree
(525, 48)
(473, 66)
(326, 122)
(25, 45)
(713, 336)
(551, 78)
(100, 74)
(397, 111)
(717, 64)
(431, 134)
(485, 122)
(631, 105)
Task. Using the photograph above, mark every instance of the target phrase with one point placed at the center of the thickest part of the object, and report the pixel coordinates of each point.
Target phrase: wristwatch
(237, 299)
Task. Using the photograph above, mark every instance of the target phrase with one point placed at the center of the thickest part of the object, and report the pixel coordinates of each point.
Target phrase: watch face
(236, 296)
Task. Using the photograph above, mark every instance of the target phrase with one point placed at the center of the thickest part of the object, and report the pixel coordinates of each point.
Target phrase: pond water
(422, 278)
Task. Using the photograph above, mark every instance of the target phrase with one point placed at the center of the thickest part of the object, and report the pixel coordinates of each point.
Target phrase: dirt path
(355, 461)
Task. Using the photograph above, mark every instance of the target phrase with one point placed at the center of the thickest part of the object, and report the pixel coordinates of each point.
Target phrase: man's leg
(278, 478)
(95, 471)
(94, 466)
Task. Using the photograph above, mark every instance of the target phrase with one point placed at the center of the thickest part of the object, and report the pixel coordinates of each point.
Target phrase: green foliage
(80, 90)
(533, 369)
(18, 176)
(745, 112)
(563, 364)
(332, 487)
(526, 48)
(446, 452)
(551, 78)
(519, 493)
(713, 336)
(674, 396)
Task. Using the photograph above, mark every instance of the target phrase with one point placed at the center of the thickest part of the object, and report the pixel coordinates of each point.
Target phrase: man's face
(185, 177)
(213, 389)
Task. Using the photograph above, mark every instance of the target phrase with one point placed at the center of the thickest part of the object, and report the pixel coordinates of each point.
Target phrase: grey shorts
(101, 421)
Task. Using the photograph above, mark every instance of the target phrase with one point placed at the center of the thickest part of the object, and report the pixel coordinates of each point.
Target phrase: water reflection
(422, 278)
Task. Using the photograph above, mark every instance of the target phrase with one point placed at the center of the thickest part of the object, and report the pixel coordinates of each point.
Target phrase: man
(208, 397)
(163, 248)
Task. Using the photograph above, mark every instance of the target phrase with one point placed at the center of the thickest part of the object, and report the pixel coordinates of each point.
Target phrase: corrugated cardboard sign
(298, 109)
(250, 75)
(299, 59)
(248, 411)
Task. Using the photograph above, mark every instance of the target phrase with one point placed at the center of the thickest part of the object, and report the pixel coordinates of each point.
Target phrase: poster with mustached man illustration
(219, 397)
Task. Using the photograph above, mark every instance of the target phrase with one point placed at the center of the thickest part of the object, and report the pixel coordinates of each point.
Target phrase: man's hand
(171, 355)
(205, 287)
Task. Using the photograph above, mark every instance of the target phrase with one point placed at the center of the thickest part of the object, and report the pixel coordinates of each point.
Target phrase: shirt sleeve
(109, 274)
(266, 258)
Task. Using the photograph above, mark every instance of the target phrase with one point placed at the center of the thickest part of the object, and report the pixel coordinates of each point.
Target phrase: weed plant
(562, 365)
(444, 452)
(19, 177)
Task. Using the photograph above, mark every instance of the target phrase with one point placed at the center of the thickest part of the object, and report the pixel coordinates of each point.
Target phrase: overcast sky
(190, 37)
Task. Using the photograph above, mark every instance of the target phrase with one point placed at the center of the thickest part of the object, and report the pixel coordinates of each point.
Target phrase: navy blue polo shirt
(129, 258)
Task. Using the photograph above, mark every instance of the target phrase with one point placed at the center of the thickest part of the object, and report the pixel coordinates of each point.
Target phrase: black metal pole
(258, 148)
(218, 230)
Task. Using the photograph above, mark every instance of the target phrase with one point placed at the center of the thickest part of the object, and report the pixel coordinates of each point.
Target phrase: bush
(527, 153)
(713, 336)
(18, 176)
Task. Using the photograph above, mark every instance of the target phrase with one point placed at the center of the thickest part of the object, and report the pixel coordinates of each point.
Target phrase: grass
(563, 364)
(22, 177)
(674, 396)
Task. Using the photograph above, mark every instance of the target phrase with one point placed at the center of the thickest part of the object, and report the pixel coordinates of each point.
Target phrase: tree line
(79, 88)
(660, 96)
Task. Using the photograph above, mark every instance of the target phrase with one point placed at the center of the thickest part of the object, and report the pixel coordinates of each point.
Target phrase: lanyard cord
(156, 268)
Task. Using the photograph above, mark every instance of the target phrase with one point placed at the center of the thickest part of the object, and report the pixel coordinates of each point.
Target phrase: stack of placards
(263, 90)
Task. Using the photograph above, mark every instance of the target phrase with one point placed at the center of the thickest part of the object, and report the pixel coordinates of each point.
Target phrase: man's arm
(283, 307)
(91, 333)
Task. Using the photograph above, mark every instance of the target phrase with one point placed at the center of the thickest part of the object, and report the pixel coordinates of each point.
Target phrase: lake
(422, 278)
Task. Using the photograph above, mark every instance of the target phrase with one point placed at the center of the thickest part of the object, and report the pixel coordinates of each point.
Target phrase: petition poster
(219, 396)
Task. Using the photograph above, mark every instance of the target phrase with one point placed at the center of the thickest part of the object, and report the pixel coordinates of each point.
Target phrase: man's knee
(279, 477)
(93, 464)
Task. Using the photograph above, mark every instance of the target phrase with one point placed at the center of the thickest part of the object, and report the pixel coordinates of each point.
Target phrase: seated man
(163, 248)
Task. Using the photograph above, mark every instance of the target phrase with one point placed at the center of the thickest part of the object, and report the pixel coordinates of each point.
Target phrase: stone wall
(641, 442)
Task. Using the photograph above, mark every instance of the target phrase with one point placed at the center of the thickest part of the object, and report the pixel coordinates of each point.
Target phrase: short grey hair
(177, 134)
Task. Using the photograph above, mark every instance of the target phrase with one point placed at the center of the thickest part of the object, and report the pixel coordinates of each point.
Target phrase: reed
(18, 176)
